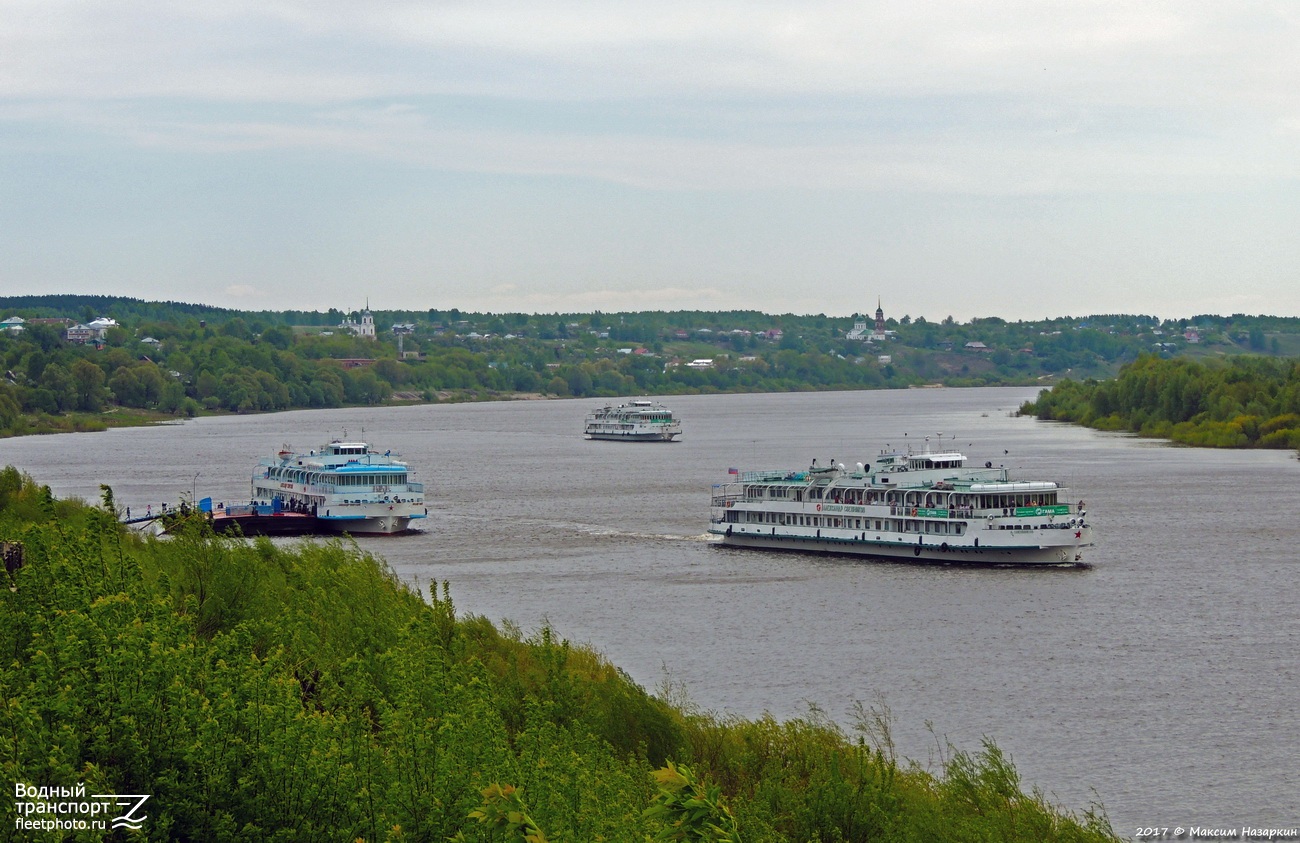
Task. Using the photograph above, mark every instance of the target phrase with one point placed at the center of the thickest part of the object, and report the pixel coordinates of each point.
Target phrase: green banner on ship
(1054, 509)
(932, 513)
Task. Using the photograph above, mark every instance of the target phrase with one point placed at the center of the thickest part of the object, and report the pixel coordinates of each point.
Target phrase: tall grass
(264, 692)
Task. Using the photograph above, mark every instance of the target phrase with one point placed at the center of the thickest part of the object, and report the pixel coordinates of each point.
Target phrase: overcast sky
(1001, 158)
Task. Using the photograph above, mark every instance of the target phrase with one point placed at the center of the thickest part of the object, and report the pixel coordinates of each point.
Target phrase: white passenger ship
(345, 485)
(635, 421)
(924, 507)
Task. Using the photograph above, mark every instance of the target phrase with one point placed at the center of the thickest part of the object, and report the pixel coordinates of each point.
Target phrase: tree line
(1241, 402)
(177, 359)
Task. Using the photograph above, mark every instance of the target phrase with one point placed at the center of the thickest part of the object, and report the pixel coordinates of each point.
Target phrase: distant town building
(90, 332)
(54, 321)
(880, 334)
(874, 333)
(400, 330)
(364, 328)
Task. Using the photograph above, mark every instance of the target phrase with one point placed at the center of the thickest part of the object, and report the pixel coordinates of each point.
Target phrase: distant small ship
(635, 421)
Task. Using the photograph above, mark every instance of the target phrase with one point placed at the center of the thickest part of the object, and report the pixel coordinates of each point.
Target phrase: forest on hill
(64, 371)
(1240, 402)
(281, 692)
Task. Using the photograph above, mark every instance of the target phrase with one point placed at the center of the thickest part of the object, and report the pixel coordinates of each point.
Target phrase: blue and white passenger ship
(345, 485)
(925, 507)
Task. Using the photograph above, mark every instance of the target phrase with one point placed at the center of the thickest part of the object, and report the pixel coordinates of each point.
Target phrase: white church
(365, 328)
(878, 334)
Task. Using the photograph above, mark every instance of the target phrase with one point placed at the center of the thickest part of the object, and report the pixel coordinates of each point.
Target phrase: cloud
(1139, 54)
(1006, 98)
(821, 141)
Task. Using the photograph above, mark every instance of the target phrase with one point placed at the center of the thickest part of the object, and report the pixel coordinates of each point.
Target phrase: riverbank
(1247, 402)
(43, 424)
(256, 690)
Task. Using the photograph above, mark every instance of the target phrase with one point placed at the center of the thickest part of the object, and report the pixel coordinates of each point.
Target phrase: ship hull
(384, 523)
(374, 526)
(632, 436)
(933, 551)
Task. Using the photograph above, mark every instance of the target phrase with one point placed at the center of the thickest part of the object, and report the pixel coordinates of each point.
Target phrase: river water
(1160, 682)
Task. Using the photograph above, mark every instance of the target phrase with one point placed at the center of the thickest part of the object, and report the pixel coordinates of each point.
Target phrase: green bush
(265, 692)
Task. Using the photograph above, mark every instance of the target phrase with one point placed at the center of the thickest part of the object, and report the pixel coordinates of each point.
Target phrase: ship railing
(723, 498)
(773, 475)
(917, 511)
(248, 509)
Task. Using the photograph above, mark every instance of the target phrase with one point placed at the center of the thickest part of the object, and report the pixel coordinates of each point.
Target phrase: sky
(1001, 158)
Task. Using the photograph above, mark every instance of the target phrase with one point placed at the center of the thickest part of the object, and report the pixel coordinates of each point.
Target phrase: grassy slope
(304, 693)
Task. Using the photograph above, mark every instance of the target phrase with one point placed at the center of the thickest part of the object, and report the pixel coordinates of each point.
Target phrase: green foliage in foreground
(262, 692)
(1243, 402)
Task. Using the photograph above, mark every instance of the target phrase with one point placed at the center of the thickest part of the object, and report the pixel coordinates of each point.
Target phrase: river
(1160, 681)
